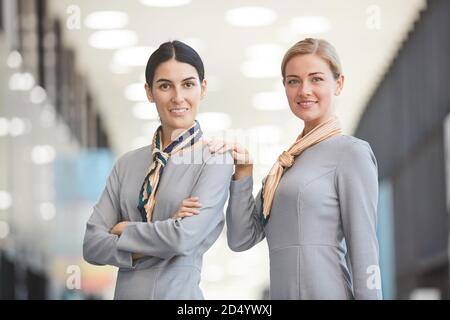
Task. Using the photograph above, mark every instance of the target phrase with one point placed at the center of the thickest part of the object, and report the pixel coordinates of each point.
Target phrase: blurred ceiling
(241, 61)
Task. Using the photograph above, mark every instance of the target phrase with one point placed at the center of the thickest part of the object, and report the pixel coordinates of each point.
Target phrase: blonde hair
(320, 47)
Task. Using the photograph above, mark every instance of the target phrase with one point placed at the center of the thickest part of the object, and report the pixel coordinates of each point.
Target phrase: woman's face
(311, 88)
(176, 91)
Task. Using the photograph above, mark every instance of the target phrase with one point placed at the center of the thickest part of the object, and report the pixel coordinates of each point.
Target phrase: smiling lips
(178, 111)
(306, 103)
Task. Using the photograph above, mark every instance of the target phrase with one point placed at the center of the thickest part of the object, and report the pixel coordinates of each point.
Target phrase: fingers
(186, 212)
(192, 203)
(225, 148)
(190, 210)
(215, 145)
(189, 207)
(240, 155)
(116, 230)
(241, 158)
(220, 146)
(240, 149)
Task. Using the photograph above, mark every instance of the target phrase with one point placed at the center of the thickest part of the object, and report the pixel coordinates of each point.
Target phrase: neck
(166, 139)
(310, 125)
(168, 133)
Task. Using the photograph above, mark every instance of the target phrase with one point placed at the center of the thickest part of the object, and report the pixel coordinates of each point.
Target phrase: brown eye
(164, 86)
(189, 84)
(317, 79)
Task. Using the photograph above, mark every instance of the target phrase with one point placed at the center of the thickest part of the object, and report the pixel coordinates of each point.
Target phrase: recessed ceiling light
(106, 20)
(250, 16)
(113, 39)
(14, 59)
(38, 95)
(272, 100)
(133, 57)
(4, 229)
(310, 25)
(18, 126)
(136, 92)
(263, 61)
(5, 200)
(43, 154)
(214, 121)
(47, 210)
(165, 3)
(21, 81)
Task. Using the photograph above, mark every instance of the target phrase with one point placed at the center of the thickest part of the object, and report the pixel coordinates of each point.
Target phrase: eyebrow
(311, 74)
(166, 80)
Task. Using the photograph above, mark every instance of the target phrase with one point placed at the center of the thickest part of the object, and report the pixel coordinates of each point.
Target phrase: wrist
(242, 171)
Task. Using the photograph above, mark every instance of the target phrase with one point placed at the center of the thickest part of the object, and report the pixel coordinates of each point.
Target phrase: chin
(182, 122)
(306, 117)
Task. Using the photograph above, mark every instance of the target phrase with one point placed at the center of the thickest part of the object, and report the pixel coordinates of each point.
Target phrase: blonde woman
(318, 205)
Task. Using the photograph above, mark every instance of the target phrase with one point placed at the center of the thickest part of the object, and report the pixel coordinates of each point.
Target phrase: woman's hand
(188, 208)
(242, 159)
(118, 228)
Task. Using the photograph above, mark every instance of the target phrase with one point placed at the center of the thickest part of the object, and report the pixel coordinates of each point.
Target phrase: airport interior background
(72, 101)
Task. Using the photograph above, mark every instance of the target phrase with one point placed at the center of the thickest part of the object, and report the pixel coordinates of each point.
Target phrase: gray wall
(403, 122)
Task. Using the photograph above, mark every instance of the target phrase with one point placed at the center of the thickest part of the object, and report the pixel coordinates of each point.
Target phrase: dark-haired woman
(138, 224)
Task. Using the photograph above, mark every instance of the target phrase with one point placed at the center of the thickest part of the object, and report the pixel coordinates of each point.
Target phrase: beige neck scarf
(321, 132)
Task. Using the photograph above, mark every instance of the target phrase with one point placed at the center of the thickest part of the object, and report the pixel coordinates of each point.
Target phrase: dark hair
(173, 50)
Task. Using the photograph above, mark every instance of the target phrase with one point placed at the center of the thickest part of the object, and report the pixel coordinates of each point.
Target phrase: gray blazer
(174, 248)
(321, 231)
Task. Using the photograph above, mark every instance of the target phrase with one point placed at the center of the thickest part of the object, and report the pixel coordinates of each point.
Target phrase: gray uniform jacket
(174, 248)
(321, 231)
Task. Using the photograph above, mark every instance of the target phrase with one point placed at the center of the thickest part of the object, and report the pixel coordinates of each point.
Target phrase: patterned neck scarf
(147, 196)
(321, 132)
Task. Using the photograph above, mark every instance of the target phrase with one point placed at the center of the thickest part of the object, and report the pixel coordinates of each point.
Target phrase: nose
(177, 97)
(304, 89)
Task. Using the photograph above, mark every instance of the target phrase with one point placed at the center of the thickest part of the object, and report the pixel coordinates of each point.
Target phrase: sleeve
(172, 237)
(244, 227)
(357, 185)
(99, 245)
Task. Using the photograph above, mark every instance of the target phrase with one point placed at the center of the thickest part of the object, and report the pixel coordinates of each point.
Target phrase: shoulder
(223, 159)
(133, 157)
(355, 153)
(341, 146)
(348, 143)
